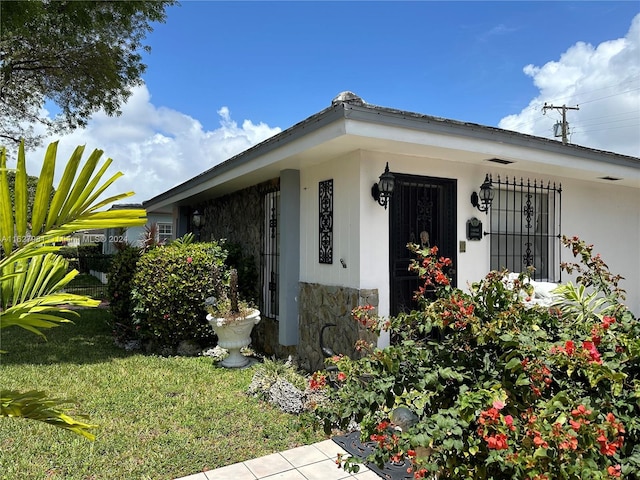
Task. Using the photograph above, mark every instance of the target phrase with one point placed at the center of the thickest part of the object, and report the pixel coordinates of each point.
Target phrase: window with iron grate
(525, 227)
(270, 256)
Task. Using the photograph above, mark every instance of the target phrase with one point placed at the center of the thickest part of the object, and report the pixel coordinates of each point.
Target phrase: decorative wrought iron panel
(525, 227)
(270, 274)
(325, 197)
(422, 211)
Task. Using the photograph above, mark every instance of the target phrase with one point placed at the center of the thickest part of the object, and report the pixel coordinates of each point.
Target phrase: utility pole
(565, 125)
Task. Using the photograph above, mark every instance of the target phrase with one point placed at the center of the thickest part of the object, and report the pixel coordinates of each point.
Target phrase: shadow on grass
(87, 340)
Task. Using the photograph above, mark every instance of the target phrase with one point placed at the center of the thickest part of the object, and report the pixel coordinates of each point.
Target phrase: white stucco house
(301, 203)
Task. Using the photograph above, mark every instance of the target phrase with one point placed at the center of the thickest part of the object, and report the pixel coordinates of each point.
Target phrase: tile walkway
(310, 462)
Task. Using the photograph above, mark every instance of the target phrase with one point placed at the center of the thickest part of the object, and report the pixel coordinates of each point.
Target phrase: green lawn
(160, 418)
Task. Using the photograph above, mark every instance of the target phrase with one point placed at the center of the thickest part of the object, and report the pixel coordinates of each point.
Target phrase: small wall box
(474, 229)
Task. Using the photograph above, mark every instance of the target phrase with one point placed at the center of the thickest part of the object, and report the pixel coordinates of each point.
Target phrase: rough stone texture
(286, 397)
(323, 304)
(265, 339)
(239, 218)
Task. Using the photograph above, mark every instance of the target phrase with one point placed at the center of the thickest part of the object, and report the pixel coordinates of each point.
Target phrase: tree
(32, 274)
(81, 55)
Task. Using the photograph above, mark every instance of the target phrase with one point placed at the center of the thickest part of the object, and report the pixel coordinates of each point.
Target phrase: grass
(159, 417)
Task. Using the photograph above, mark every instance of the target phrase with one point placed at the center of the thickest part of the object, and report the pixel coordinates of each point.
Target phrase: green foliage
(36, 406)
(247, 271)
(187, 239)
(119, 286)
(90, 257)
(84, 56)
(32, 182)
(169, 290)
(269, 372)
(32, 274)
(501, 387)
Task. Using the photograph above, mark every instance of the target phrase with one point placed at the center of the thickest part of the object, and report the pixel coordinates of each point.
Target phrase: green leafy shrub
(487, 384)
(119, 285)
(247, 271)
(85, 253)
(170, 286)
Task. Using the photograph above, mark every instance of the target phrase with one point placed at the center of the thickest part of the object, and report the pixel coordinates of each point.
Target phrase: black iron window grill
(270, 273)
(525, 227)
(325, 201)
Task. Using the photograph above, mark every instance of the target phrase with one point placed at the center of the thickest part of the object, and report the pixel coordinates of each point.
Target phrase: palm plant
(32, 274)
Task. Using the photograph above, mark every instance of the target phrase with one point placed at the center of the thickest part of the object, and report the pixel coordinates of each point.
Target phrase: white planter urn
(233, 336)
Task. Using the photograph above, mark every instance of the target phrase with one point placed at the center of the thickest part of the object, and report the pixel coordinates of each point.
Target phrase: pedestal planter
(234, 335)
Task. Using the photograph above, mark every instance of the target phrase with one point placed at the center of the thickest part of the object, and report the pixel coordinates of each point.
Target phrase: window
(525, 228)
(165, 232)
(271, 255)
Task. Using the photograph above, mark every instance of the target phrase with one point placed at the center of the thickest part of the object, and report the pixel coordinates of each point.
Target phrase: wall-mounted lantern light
(197, 219)
(382, 191)
(483, 201)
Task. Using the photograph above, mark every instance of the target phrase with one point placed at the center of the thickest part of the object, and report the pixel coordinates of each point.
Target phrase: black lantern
(197, 219)
(382, 191)
(483, 201)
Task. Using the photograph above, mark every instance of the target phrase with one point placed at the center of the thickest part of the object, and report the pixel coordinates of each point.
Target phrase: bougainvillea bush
(169, 289)
(487, 385)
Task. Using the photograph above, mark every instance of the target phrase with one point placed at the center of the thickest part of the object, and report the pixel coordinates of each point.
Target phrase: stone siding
(239, 218)
(323, 304)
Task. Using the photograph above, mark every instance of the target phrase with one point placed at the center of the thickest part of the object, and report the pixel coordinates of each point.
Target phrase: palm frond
(32, 276)
(35, 405)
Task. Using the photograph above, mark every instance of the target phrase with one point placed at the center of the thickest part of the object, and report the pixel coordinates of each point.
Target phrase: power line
(577, 130)
(609, 96)
(562, 109)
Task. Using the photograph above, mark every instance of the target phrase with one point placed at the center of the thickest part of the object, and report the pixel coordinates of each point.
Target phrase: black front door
(423, 211)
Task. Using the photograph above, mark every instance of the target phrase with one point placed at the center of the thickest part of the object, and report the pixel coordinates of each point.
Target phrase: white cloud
(603, 81)
(155, 147)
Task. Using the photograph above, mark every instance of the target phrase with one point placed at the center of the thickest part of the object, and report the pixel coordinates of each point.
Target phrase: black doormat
(392, 471)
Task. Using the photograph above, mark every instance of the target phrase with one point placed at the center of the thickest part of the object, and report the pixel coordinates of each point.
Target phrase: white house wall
(604, 214)
(344, 171)
(608, 217)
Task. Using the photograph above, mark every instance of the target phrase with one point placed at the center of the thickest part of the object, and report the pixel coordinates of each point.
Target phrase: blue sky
(279, 62)
(223, 76)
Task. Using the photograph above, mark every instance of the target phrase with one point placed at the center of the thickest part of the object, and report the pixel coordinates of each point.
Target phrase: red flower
(614, 470)
(571, 443)
(382, 426)
(607, 322)
(569, 347)
(189, 259)
(497, 442)
(581, 410)
(593, 352)
(317, 381)
(342, 376)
